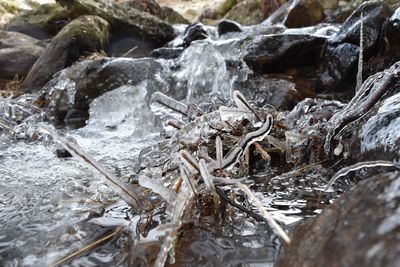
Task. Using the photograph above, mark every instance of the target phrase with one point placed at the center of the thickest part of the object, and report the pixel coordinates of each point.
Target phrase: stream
(56, 210)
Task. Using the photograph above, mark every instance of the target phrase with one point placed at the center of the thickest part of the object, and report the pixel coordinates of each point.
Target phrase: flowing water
(52, 206)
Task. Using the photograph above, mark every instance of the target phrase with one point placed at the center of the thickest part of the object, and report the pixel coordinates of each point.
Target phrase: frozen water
(203, 70)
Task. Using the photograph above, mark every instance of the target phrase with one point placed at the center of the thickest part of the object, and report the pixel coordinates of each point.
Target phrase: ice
(203, 70)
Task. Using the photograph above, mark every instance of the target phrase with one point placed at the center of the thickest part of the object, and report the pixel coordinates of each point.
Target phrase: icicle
(219, 152)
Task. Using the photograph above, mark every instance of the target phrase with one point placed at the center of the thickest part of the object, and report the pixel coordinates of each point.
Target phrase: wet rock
(225, 26)
(360, 229)
(81, 37)
(246, 13)
(192, 33)
(43, 22)
(124, 19)
(380, 133)
(304, 13)
(388, 47)
(275, 53)
(279, 91)
(17, 61)
(337, 69)
(70, 92)
(374, 15)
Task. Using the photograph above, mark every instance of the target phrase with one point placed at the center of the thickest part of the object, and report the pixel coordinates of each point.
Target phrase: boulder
(304, 13)
(12, 39)
(80, 37)
(70, 92)
(360, 229)
(173, 17)
(18, 52)
(246, 13)
(374, 15)
(124, 19)
(17, 61)
(278, 52)
(225, 26)
(42, 23)
(153, 8)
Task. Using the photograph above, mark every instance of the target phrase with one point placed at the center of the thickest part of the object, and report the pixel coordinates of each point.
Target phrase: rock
(124, 19)
(360, 229)
(337, 69)
(42, 23)
(18, 52)
(225, 26)
(70, 92)
(275, 53)
(173, 17)
(374, 15)
(304, 13)
(80, 37)
(153, 8)
(279, 91)
(192, 33)
(246, 13)
(388, 47)
(12, 39)
(17, 61)
(380, 133)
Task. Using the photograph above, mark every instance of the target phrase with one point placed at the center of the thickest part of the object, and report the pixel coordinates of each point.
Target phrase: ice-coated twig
(360, 165)
(271, 221)
(182, 202)
(169, 103)
(124, 189)
(370, 93)
(219, 152)
(186, 178)
(167, 194)
(189, 161)
(206, 176)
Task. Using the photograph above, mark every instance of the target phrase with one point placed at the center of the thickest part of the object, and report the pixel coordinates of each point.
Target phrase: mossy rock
(9, 6)
(124, 19)
(41, 23)
(246, 13)
(81, 37)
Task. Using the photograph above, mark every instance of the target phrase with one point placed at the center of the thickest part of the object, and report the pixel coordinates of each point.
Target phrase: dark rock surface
(281, 91)
(17, 61)
(81, 37)
(192, 33)
(43, 22)
(18, 52)
(225, 26)
(360, 229)
(374, 15)
(275, 53)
